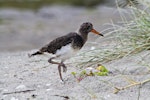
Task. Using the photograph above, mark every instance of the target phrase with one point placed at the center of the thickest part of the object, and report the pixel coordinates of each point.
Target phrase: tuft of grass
(131, 37)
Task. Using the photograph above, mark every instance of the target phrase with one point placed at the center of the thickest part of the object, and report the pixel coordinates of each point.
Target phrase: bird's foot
(64, 67)
(62, 81)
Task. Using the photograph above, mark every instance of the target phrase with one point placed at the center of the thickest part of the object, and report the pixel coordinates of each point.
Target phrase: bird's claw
(64, 68)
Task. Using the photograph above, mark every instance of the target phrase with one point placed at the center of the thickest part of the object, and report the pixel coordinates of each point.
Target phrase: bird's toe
(64, 69)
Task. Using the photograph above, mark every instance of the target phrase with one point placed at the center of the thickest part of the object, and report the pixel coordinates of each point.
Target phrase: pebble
(13, 98)
(48, 84)
(21, 86)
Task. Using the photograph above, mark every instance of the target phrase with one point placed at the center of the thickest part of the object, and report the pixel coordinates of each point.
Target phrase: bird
(66, 46)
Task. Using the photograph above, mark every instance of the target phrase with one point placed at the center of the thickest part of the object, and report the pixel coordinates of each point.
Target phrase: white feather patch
(66, 52)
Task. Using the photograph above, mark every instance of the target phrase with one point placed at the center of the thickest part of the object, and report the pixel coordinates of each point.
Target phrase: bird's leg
(53, 62)
(59, 66)
(59, 70)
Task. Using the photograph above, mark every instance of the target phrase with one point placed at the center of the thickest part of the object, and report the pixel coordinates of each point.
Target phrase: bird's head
(87, 27)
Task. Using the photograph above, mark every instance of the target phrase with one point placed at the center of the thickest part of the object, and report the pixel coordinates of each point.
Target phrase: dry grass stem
(134, 83)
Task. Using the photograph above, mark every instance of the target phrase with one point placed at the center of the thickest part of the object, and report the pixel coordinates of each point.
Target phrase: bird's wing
(59, 42)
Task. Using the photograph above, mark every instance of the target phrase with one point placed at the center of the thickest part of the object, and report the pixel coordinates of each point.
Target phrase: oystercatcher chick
(66, 46)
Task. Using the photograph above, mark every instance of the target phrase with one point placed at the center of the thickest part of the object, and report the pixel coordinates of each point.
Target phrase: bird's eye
(88, 27)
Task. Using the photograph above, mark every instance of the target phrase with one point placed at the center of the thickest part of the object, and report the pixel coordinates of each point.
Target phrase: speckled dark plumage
(73, 38)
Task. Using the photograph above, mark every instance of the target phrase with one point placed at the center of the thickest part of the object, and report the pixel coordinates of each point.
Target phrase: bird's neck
(84, 36)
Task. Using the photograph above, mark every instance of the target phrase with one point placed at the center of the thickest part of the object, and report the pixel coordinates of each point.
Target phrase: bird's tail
(36, 53)
(41, 51)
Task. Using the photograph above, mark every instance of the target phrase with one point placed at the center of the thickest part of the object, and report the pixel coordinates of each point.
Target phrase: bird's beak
(94, 31)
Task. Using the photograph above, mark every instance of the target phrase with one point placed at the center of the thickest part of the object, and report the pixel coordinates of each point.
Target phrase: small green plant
(99, 71)
(102, 71)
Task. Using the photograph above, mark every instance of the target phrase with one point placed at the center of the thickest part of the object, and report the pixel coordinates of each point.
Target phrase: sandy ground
(20, 73)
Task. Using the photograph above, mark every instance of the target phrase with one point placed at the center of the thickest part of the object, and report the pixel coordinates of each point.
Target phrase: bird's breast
(65, 52)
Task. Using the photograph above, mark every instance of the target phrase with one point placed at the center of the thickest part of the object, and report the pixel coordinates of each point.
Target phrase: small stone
(13, 98)
(21, 86)
(48, 84)
(48, 89)
(5, 90)
(33, 95)
(92, 48)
